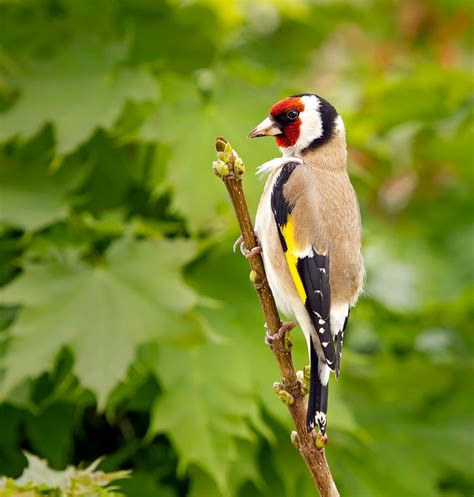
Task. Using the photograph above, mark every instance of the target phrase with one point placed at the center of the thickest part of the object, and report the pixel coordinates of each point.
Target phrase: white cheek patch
(311, 126)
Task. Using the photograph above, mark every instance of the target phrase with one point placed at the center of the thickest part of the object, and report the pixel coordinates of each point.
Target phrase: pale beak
(266, 128)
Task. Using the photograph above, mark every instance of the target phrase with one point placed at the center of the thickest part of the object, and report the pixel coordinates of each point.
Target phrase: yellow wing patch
(288, 232)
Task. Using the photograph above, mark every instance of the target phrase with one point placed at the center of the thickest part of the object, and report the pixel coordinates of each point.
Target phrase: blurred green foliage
(39, 480)
(130, 330)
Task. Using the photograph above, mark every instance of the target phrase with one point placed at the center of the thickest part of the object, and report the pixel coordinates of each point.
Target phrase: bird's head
(300, 123)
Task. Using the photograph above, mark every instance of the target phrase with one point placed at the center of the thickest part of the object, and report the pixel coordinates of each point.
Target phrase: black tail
(318, 396)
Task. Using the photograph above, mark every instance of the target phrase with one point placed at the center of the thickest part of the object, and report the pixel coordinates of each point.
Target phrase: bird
(308, 226)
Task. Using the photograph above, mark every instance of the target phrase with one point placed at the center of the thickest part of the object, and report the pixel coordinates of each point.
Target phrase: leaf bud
(286, 397)
(228, 149)
(222, 168)
(239, 167)
(321, 440)
(220, 143)
(307, 373)
(295, 439)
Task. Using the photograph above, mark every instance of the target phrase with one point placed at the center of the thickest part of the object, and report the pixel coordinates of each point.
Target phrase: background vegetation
(130, 330)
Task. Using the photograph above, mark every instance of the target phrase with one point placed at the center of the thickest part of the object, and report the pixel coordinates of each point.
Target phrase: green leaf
(244, 470)
(40, 479)
(55, 445)
(11, 458)
(144, 484)
(100, 312)
(31, 194)
(289, 476)
(189, 125)
(216, 389)
(78, 90)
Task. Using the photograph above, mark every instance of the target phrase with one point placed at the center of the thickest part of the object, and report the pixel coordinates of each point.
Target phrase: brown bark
(231, 172)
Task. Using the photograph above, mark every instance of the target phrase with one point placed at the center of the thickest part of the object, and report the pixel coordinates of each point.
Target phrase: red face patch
(289, 103)
(290, 135)
(290, 129)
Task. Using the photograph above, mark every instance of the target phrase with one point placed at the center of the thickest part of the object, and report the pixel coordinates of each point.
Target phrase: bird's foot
(243, 249)
(250, 253)
(282, 331)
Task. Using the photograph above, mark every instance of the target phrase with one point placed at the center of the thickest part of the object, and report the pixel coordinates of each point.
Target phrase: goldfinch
(309, 229)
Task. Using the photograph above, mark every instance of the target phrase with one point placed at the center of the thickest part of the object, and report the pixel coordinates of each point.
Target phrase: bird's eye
(292, 114)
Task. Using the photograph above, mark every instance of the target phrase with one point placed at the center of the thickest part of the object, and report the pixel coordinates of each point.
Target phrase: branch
(230, 168)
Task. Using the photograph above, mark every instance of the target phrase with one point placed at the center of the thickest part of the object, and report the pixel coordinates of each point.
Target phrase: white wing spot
(324, 344)
(321, 330)
(321, 418)
(321, 321)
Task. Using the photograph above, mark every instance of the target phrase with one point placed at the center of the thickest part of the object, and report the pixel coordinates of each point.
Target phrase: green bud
(286, 397)
(239, 167)
(321, 440)
(222, 168)
(222, 156)
(300, 376)
(288, 341)
(295, 439)
(231, 159)
(256, 279)
(220, 143)
(228, 149)
(307, 373)
(277, 387)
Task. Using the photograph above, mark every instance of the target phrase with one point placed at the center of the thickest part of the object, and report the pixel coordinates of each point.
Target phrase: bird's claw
(243, 249)
(249, 253)
(237, 242)
(282, 331)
